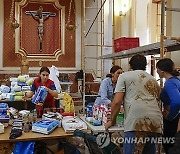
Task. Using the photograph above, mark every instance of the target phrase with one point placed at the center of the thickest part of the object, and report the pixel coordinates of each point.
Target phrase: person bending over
(139, 92)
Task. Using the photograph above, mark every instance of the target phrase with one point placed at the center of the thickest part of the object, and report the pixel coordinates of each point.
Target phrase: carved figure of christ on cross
(40, 16)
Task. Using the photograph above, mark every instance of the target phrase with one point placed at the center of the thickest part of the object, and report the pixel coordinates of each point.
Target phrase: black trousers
(170, 129)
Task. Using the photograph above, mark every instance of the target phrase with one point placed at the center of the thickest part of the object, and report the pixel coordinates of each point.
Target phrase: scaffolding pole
(95, 18)
(162, 29)
(162, 34)
(162, 50)
(172, 38)
(85, 44)
(83, 56)
(172, 9)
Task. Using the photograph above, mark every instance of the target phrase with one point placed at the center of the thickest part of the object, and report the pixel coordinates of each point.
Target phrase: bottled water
(120, 120)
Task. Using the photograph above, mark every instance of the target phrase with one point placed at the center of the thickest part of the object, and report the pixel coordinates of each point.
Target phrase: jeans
(134, 143)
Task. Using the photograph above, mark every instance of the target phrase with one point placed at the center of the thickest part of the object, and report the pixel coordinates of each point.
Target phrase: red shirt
(49, 102)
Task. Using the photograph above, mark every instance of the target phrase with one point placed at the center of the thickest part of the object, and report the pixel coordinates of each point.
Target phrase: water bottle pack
(40, 95)
(4, 118)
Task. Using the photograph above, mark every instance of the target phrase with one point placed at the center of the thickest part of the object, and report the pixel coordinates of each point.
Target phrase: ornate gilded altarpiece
(27, 42)
(59, 43)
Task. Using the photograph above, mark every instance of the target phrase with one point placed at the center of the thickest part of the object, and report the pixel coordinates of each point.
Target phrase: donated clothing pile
(17, 89)
(1, 128)
(4, 118)
(16, 129)
(4, 92)
(53, 116)
(70, 124)
(4, 89)
(19, 86)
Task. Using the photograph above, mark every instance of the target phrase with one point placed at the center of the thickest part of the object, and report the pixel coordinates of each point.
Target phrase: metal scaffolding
(99, 35)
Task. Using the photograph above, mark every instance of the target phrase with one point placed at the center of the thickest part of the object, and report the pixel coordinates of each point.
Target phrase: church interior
(81, 40)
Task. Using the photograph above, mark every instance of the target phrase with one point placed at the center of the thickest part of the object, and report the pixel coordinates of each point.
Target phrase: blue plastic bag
(24, 148)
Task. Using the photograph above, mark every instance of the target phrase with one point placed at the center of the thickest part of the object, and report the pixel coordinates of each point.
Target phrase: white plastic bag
(54, 74)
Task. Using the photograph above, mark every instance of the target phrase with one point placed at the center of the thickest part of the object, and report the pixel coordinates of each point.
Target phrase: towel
(18, 98)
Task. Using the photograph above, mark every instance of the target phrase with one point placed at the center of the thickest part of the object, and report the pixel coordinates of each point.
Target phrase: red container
(125, 43)
(39, 109)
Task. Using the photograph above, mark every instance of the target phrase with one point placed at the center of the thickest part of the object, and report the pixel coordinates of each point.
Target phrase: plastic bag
(68, 103)
(54, 74)
(40, 95)
(24, 148)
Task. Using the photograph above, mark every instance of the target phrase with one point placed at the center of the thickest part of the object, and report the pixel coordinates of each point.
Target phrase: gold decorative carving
(12, 21)
(157, 1)
(24, 66)
(69, 25)
(40, 56)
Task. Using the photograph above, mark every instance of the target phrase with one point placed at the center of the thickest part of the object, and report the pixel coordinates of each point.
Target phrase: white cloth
(16, 88)
(5, 89)
(70, 124)
(13, 79)
(26, 88)
(54, 74)
(14, 83)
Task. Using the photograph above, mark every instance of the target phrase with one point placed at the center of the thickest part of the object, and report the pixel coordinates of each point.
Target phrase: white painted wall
(137, 24)
(142, 25)
(94, 36)
(78, 34)
(127, 29)
(142, 21)
(152, 22)
(176, 30)
(108, 35)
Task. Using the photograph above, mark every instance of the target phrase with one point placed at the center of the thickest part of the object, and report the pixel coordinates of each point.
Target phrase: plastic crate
(125, 43)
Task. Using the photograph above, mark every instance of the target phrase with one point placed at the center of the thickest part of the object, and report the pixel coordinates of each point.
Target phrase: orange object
(60, 152)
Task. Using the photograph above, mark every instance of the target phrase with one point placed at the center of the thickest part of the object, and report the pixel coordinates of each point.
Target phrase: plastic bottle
(26, 127)
(120, 120)
(35, 115)
(89, 110)
(26, 123)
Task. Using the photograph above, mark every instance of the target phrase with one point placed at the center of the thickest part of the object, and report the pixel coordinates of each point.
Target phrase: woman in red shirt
(43, 80)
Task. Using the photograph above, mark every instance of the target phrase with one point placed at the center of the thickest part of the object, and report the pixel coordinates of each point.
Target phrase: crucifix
(40, 16)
